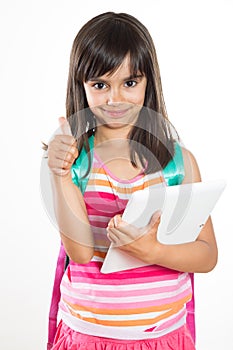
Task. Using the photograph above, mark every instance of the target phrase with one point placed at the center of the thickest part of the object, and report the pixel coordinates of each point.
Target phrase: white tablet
(185, 209)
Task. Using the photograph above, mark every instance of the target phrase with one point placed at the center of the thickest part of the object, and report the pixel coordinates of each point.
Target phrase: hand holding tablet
(185, 209)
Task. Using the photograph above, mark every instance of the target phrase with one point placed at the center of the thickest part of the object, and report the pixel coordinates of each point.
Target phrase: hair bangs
(108, 47)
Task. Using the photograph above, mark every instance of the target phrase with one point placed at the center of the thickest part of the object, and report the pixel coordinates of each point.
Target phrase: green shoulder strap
(80, 167)
(173, 172)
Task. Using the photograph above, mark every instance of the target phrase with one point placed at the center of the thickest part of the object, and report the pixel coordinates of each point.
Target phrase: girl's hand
(138, 242)
(62, 150)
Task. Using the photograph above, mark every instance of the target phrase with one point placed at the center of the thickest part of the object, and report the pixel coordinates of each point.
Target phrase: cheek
(94, 99)
(139, 97)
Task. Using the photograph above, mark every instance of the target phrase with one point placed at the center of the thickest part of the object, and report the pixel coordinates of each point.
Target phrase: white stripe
(115, 183)
(121, 195)
(134, 333)
(97, 258)
(98, 218)
(124, 183)
(100, 230)
(123, 299)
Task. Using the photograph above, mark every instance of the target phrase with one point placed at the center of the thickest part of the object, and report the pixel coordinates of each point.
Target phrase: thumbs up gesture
(62, 150)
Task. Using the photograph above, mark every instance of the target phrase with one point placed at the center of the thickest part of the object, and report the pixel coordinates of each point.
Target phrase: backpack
(173, 174)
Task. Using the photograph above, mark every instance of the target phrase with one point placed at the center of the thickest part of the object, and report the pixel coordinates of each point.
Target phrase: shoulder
(191, 168)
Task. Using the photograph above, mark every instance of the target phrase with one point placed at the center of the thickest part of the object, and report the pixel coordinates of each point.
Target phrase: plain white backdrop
(194, 46)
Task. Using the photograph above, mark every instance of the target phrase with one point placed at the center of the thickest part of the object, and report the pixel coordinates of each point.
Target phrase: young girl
(115, 102)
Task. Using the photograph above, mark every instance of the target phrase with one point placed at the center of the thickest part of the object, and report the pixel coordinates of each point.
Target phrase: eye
(99, 86)
(130, 83)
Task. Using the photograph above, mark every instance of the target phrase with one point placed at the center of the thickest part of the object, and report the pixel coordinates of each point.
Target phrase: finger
(65, 126)
(60, 164)
(116, 237)
(68, 156)
(66, 144)
(110, 223)
(59, 150)
(111, 238)
(117, 220)
(122, 232)
(119, 223)
(120, 238)
(66, 139)
(60, 172)
(114, 221)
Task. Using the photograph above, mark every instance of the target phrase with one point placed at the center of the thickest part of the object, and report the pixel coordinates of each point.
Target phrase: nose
(115, 97)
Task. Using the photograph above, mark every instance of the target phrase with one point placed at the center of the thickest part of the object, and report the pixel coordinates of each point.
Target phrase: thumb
(65, 126)
(155, 219)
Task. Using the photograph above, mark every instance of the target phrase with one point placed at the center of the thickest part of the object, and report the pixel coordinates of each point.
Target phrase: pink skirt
(67, 339)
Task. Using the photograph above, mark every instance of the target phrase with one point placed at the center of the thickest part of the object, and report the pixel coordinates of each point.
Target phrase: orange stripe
(126, 190)
(98, 171)
(142, 322)
(100, 254)
(129, 311)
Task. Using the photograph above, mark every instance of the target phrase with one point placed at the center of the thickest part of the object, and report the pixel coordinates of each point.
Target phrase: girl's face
(116, 98)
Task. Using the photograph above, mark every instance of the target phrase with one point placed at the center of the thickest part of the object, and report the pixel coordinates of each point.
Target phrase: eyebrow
(131, 77)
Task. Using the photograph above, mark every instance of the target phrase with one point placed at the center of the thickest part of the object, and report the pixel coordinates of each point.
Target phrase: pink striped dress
(141, 303)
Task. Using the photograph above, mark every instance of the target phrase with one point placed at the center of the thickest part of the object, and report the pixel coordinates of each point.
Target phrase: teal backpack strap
(174, 171)
(79, 168)
(174, 174)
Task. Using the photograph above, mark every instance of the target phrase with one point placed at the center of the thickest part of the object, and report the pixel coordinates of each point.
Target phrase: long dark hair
(100, 47)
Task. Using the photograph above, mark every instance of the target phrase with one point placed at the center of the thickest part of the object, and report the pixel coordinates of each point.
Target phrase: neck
(104, 133)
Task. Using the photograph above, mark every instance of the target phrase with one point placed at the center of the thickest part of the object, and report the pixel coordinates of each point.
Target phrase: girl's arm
(72, 219)
(198, 256)
(70, 209)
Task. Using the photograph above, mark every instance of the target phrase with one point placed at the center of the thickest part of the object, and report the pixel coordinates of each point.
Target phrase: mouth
(115, 113)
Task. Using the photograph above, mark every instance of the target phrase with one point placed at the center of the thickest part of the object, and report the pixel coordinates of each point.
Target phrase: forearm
(72, 219)
(198, 256)
(189, 257)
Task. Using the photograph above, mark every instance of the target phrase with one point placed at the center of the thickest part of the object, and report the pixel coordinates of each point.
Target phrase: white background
(194, 47)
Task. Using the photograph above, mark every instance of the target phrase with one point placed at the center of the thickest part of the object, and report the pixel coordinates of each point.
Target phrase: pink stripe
(147, 274)
(102, 208)
(130, 276)
(125, 293)
(94, 211)
(108, 210)
(130, 273)
(120, 281)
(102, 224)
(100, 164)
(93, 267)
(134, 276)
(120, 305)
(91, 195)
(62, 307)
(126, 274)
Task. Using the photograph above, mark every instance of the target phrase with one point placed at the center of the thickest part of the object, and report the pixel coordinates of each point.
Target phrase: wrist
(155, 254)
(61, 179)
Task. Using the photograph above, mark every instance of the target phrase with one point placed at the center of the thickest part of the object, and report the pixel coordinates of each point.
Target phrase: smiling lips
(115, 113)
